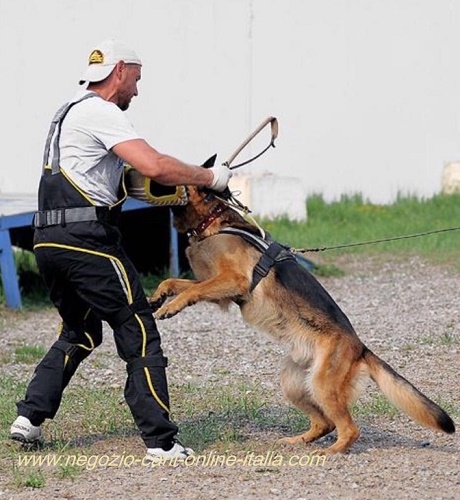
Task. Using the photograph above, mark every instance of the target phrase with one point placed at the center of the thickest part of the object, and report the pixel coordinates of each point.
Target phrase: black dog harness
(272, 252)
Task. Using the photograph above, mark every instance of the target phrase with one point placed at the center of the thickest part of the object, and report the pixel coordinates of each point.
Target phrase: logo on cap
(96, 57)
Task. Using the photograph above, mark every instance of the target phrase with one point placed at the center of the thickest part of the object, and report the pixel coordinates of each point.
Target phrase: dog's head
(201, 203)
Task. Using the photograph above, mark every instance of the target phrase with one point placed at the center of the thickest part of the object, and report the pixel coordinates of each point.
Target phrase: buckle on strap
(65, 215)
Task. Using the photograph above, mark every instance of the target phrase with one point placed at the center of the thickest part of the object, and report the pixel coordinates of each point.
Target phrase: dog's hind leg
(295, 389)
(333, 387)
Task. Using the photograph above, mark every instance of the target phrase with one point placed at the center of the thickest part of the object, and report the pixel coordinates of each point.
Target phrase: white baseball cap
(104, 57)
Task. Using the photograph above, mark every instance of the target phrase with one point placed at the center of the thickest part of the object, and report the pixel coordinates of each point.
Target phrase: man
(78, 251)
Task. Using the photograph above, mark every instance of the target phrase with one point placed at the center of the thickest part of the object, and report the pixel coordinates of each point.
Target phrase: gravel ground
(405, 310)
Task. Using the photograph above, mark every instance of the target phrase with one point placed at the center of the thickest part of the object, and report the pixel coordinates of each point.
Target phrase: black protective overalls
(91, 279)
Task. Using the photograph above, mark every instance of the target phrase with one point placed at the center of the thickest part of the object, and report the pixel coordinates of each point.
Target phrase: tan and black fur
(326, 361)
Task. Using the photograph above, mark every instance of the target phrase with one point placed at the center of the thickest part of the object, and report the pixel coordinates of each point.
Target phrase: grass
(88, 412)
(228, 415)
(448, 338)
(450, 407)
(31, 285)
(29, 353)
(221, 417)
(69, 471)
(11, 390)
(85, 413)
(30, 478)
(351, 220)
(378, 406)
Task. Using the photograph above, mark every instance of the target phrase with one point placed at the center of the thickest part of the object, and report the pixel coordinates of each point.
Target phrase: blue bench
(16, 211)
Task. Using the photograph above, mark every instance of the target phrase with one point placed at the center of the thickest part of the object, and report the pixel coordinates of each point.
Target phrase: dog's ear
(226, 194)
(210, 162)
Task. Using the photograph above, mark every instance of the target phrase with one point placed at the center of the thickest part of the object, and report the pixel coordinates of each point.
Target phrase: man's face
(128, 85)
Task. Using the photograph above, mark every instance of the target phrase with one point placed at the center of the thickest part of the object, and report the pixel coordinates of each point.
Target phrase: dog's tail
(405, 396)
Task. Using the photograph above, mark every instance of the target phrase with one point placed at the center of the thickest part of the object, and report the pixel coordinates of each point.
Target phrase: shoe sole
(19, 437)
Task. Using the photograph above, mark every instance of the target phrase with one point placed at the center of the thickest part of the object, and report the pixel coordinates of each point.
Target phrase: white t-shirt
(88, 132)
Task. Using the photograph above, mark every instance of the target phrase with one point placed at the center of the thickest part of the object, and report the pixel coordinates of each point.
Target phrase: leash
(372, 242)
(274, 134)
(237, 206)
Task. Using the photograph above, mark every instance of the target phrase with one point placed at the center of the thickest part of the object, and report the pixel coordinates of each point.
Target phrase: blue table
(16, 211)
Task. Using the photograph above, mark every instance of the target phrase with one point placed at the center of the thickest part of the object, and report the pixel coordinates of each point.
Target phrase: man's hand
(222, 175)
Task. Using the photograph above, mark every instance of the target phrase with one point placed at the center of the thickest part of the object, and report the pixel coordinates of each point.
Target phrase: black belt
(64, 216)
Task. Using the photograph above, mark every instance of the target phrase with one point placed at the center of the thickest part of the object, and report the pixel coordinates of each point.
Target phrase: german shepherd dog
(232, 262)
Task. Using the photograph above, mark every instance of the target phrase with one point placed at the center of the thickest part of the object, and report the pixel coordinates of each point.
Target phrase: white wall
(366, 91)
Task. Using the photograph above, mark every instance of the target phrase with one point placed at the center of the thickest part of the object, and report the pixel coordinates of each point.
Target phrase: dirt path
(406, 311)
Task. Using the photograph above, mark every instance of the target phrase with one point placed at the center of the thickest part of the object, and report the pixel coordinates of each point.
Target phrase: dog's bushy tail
(405, 396)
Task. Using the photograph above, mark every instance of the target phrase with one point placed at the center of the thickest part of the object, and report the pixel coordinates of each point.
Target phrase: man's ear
(118, 70)
(210, 162)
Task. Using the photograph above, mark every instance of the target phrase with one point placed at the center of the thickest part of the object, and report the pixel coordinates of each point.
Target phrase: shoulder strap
(56, 122)
(256, 241)
(271, 251)
(265, 263)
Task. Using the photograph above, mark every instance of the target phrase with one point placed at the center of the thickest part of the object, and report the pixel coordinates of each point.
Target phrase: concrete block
(451, 178)
(271, 196)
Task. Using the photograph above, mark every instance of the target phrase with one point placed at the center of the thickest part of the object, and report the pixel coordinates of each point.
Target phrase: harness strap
(63, 216)
(260, 243)
(272, 252)
(265, 263)
(56, 122)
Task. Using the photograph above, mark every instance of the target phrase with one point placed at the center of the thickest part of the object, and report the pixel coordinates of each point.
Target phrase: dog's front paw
(165, 312)
(165, 289)
(172, 307)
(155, 301)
